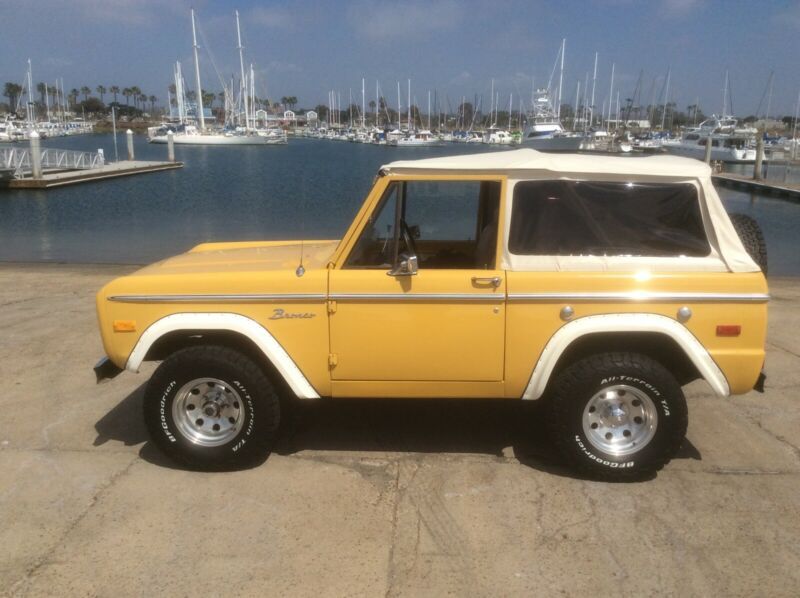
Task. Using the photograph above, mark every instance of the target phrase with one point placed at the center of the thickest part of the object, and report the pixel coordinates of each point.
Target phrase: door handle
(492, 280)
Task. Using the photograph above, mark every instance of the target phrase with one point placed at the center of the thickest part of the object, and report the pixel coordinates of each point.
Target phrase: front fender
(245, 326)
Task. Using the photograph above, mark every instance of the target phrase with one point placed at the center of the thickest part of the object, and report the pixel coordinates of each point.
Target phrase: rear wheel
(617, 416)
(211, 407)
(752, 238)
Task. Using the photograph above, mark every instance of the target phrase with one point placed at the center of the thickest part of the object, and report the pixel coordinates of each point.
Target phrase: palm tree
(85, 91)
(115, 90)
(73, 96)
(152, 103)
(101, 90)
(284, 101)
(42, 89)
(12, 91)
(127, 93)
(136, 92)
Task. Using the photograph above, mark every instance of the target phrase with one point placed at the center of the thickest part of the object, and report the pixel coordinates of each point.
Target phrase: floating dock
(99, 173)
(765, 186)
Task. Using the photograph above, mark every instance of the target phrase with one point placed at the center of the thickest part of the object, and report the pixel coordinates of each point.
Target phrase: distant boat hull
(718, 154)
(220, 140)
(560, 143)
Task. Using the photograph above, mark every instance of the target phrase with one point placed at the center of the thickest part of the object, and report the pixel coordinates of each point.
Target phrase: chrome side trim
(642, 297)
(216, 298)
(418, 296)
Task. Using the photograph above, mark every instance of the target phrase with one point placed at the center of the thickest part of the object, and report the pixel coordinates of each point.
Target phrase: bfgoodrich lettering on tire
(211, 407)
(617, 416)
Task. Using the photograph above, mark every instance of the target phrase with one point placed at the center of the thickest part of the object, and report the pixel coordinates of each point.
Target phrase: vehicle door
(419, 297)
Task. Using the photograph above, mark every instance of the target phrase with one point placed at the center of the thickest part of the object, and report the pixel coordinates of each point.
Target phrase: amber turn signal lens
(124, 326)
(729, 330)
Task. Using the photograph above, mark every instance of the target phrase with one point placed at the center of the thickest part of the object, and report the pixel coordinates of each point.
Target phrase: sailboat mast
(409, 105)
(666, 98)
(561, 78)
(594, 82)
(725, 96)
(363, 105)
(199, 93)
(399, 111)
(243, 89)
(610, 96)
(429, 109)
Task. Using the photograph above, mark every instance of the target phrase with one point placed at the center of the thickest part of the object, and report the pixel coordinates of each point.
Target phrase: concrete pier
(370, 498)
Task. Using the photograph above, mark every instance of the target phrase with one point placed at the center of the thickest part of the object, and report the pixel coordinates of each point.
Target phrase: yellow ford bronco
(597, 285)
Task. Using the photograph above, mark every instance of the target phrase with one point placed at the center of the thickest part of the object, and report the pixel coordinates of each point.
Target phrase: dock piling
(170, 146)
(708, 151)
(759, 156)
(129, 135)
(36, 156)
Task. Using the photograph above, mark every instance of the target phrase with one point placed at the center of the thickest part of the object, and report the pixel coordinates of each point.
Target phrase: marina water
(308, 188)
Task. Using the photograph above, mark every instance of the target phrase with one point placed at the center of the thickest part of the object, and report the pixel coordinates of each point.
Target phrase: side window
(375, 246)
(570, 218)
(450, 225)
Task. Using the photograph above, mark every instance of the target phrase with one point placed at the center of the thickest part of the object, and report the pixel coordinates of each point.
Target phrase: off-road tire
(256, 402)
(752, 238)
(580, 383)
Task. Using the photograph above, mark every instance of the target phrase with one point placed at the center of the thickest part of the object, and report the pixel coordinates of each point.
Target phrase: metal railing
(19, 160)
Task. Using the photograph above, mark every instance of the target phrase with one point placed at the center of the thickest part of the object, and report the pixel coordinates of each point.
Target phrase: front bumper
(105, 369)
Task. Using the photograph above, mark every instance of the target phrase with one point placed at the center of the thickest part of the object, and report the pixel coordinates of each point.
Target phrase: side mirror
(407, 266)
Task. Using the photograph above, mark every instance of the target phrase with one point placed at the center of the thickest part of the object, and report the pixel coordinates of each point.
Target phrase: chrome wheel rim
(620, 420)
(208, 412)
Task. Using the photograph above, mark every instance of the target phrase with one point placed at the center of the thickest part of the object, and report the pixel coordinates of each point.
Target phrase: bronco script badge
(280, 314)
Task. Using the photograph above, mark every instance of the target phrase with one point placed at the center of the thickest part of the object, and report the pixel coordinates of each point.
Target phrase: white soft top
(727, 252)
(529, 159)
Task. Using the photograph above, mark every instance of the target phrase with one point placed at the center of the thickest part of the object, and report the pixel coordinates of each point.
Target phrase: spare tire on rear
(752, 238)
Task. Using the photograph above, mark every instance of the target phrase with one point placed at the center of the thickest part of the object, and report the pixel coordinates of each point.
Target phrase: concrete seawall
(374, 498)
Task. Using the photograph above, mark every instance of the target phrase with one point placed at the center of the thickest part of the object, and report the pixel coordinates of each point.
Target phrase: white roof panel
(530, 159)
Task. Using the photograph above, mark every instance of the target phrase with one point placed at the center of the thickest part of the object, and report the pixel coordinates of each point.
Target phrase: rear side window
(602, 218)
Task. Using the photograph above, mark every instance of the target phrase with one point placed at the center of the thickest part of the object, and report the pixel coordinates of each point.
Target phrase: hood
(245, 256)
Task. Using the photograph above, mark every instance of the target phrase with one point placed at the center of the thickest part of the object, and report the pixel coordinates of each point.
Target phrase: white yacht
(423, 138)
(7, 131)
(544, 131)
(729, 143)
(495, 136)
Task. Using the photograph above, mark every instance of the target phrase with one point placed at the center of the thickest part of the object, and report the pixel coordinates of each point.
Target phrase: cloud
(461, 78)
(679, 8)
(272, 18)
(407, 20)
(125, 12)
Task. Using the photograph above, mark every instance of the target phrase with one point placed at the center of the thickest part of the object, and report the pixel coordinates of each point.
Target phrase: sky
(305, 48)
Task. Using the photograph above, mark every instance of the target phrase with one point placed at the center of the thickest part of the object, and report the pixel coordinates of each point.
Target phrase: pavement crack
(48, 555)
(390, 575)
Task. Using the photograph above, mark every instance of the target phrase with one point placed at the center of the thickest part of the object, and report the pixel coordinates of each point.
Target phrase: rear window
(601, 218)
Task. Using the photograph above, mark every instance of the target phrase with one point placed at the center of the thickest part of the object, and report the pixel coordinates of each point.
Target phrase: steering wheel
(408, 237)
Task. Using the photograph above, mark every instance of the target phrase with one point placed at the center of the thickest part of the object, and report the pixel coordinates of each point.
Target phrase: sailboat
(189, 133)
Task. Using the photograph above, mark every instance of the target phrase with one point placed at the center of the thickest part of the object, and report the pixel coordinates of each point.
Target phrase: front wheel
(211, 407)
(617, 416)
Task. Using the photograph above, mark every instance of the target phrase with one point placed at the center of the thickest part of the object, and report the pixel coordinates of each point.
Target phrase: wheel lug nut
(199, 421)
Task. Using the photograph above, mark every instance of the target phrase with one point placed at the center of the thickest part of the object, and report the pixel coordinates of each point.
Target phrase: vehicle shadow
(503, 429)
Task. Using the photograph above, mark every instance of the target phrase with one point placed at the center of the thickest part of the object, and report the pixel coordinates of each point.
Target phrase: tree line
(49, 94)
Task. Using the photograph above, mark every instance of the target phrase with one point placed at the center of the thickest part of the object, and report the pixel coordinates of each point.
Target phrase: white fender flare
(572, 331)
(233, 323)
